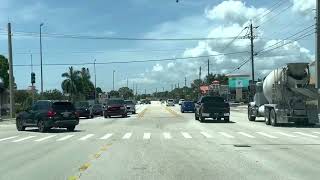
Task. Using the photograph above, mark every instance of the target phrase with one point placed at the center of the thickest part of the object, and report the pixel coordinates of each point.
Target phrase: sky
(216, 21)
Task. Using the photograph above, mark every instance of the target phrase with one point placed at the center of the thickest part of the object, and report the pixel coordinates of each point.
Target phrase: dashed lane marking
(8, 138)
(305, 134)
(186, 135)
(247, 135)
(22, 139)
(167, 135)
(106, 136)
(86, 137)
(45, 138)
(146, 135)
(286, 134)
(206, 135)
(267, 135)
(127, 136)
(65, 138)
(226, 135)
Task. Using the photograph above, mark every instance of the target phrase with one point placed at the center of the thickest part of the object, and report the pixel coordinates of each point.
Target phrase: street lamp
(41, 58)
(95, 80)
(113, 79)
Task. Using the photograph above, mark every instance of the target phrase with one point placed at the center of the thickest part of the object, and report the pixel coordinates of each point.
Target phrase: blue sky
(143, 19)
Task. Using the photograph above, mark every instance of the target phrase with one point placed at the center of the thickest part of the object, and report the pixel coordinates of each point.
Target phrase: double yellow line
(173, 112)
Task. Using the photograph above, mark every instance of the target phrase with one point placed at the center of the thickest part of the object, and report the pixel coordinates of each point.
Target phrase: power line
(135, 61)
(280, 12)
(240, 66)
(271, 9)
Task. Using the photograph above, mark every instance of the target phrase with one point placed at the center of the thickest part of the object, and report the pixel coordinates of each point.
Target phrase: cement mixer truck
(285, 96)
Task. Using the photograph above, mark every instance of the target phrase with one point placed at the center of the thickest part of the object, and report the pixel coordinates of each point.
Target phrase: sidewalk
(7, 120)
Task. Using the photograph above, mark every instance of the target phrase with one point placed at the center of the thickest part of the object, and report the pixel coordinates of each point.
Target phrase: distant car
(46, 114)
(131, 106)
(181, 101)
(84, 109)
(170, 102)
(212, 107)
(148, 101)
(97, 109)
(115, 107)
(187, 106)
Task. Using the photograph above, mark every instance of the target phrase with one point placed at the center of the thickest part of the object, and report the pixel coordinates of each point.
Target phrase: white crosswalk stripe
(186, 135)
(146, 135)
(22, 139)
(226, 135)
(8, 138)
(65, 138)
(305, 134)
(267, 135)
(206, 135)
(247, 135)
(106, 136)
(127, 136)
(86, 137)
(45, 138)
(286, 134)
(167, 135)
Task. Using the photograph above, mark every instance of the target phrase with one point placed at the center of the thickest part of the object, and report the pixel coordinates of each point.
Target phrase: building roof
(238, 75)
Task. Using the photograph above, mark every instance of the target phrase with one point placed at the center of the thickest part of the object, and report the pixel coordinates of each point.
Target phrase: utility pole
(162, 89)
(41, 58)
(178, 85)
(11, 83)
(128, 83)
(171, 87)
(136, 89)
(95, 81)
(145, 91)
(252, 51)
(200, 73)
(113, 80)
(185, 81)
(317, 51)
(32, 74)
(208, 67)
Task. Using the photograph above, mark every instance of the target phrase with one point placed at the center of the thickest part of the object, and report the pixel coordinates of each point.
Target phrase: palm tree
(87, 86)
(69, 85)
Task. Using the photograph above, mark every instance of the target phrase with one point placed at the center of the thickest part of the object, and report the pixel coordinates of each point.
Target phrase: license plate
(206, 114)
(226, 114)
(66, 114)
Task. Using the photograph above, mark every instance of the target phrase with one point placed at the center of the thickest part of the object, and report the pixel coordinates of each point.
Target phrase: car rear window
(170, 100)
(188, 103)
(82, 104)
(115, 101)
(97, 106)
(63, 106)
(129, 102)
(209, 99)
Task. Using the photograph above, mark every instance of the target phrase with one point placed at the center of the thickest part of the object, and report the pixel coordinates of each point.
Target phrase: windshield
(115, 102)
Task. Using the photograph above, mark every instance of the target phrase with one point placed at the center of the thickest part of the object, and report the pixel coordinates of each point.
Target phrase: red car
(115, 107)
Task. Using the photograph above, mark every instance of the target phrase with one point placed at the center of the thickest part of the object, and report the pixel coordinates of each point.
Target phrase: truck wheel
(41, 126)
(267, 117)
(226, 119)
(273, 118)
(250, 117)
(19, 124)
(71, 128)
(195, 116)
(202, 119)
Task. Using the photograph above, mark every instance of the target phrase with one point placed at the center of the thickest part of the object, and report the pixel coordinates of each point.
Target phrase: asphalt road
(161, 143)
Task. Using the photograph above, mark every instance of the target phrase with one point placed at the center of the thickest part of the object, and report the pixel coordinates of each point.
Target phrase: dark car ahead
(115, 107)
(187, 106)
(212, 107)
(97, 110)
(84, 109)
(46, 114)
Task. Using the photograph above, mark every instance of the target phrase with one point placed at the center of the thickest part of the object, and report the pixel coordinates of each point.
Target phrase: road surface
(161, 143)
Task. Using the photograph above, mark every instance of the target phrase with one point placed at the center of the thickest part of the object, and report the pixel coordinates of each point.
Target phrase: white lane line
(247, 135)
(86, 137)
(186, 135)
(106, 136)
(226, 135)
(146, 135)
(305, 134)
(167, 135)
(22, 139)
(285, 134)
(3, 139)
(267, 135)
(206, 135)
(45, 138)
(127, 136)
(65, 137)
(316, 132)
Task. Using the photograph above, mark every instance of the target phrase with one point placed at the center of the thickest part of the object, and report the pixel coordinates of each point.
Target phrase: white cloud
(304, 7)
(157, 68)
(233, 12)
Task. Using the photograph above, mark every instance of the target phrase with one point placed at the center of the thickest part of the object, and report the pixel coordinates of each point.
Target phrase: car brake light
(51, 113)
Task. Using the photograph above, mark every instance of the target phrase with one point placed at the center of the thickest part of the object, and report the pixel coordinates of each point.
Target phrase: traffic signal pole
(11, 83)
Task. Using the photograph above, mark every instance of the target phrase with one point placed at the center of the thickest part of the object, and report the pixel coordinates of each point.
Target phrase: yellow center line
(173, 112)
(141, 114)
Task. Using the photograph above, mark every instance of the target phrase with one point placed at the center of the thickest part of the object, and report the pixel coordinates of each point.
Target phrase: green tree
(4, 68)
(99, 90)
(54, 94)
(87, 87)
(71, 83)
(125, 92)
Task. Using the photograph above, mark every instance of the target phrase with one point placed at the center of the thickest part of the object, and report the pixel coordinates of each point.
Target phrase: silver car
(131, 106)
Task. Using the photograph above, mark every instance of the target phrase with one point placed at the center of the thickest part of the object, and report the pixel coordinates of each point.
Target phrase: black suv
(46, 114)
(212, 107)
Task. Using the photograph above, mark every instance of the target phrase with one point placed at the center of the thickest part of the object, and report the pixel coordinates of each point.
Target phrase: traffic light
(33, 78)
